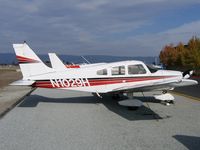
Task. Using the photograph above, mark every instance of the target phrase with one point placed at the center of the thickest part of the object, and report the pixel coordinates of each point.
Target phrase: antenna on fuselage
(85, 59)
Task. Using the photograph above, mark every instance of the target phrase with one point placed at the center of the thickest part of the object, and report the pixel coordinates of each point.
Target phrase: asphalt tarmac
(55, 119)
(193, 91)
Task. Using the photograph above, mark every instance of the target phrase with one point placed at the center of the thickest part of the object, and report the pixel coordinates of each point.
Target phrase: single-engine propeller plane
(116, 77)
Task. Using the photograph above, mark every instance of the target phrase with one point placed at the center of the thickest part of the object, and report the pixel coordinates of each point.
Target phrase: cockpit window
(119, 70)
(136, 69)
(102, 72)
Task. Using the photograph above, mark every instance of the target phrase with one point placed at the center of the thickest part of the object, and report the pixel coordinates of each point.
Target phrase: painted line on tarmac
(187, 96)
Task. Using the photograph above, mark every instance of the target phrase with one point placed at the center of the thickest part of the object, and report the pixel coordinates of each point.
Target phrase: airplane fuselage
(89, 79)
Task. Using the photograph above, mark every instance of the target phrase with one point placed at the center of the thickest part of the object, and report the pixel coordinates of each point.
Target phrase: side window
(102, 72)
(136, 69)
(119, 70)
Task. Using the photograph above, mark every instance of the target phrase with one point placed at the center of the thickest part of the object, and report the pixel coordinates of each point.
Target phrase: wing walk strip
(100, 81)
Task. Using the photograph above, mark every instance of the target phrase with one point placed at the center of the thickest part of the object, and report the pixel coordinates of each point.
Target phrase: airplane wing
(158, 86)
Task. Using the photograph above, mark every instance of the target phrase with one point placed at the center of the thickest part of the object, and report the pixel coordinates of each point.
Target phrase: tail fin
(56, 63)
(29, 62)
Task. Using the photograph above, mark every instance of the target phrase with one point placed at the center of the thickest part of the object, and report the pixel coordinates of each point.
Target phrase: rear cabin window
(119, 70)
(136, 69)
(102, 72)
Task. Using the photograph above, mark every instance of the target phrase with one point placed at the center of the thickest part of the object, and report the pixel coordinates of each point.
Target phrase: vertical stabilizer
(56, 63)
(29, 62)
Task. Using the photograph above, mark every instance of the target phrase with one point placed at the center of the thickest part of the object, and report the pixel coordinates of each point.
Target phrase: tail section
(29, 62)
(56, 63)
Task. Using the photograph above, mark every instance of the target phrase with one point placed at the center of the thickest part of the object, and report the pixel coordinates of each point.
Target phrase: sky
(98, 27)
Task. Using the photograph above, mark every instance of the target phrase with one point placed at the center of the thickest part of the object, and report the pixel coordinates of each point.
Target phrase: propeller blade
(187, 74)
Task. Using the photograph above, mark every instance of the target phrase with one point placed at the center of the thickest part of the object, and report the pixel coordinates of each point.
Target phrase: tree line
(182, 56)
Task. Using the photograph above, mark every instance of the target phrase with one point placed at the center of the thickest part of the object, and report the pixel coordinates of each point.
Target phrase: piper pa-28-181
(116, 77)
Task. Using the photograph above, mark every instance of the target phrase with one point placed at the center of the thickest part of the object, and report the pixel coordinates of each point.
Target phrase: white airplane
(117, 77)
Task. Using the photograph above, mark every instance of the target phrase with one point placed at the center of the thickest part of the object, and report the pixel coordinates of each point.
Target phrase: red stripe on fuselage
(72, 66)
(102, 81)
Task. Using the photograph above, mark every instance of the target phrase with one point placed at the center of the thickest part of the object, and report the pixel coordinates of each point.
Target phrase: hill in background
(8, 58)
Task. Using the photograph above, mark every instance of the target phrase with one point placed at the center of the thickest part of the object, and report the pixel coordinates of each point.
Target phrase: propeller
(187, 74)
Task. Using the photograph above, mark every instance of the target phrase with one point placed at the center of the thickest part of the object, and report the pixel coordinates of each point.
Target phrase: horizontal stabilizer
(23, 82)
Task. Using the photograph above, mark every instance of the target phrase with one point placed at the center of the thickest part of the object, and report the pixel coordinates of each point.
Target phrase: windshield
(152, 69)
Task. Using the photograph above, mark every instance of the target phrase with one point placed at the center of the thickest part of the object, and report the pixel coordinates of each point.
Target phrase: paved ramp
(53, 119)
(10, 96)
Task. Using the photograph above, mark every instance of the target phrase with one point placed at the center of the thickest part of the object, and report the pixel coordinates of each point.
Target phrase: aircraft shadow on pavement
(190, 142)
(143, 113)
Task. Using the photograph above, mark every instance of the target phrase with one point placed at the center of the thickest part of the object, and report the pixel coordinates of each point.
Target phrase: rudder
(29, 62)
